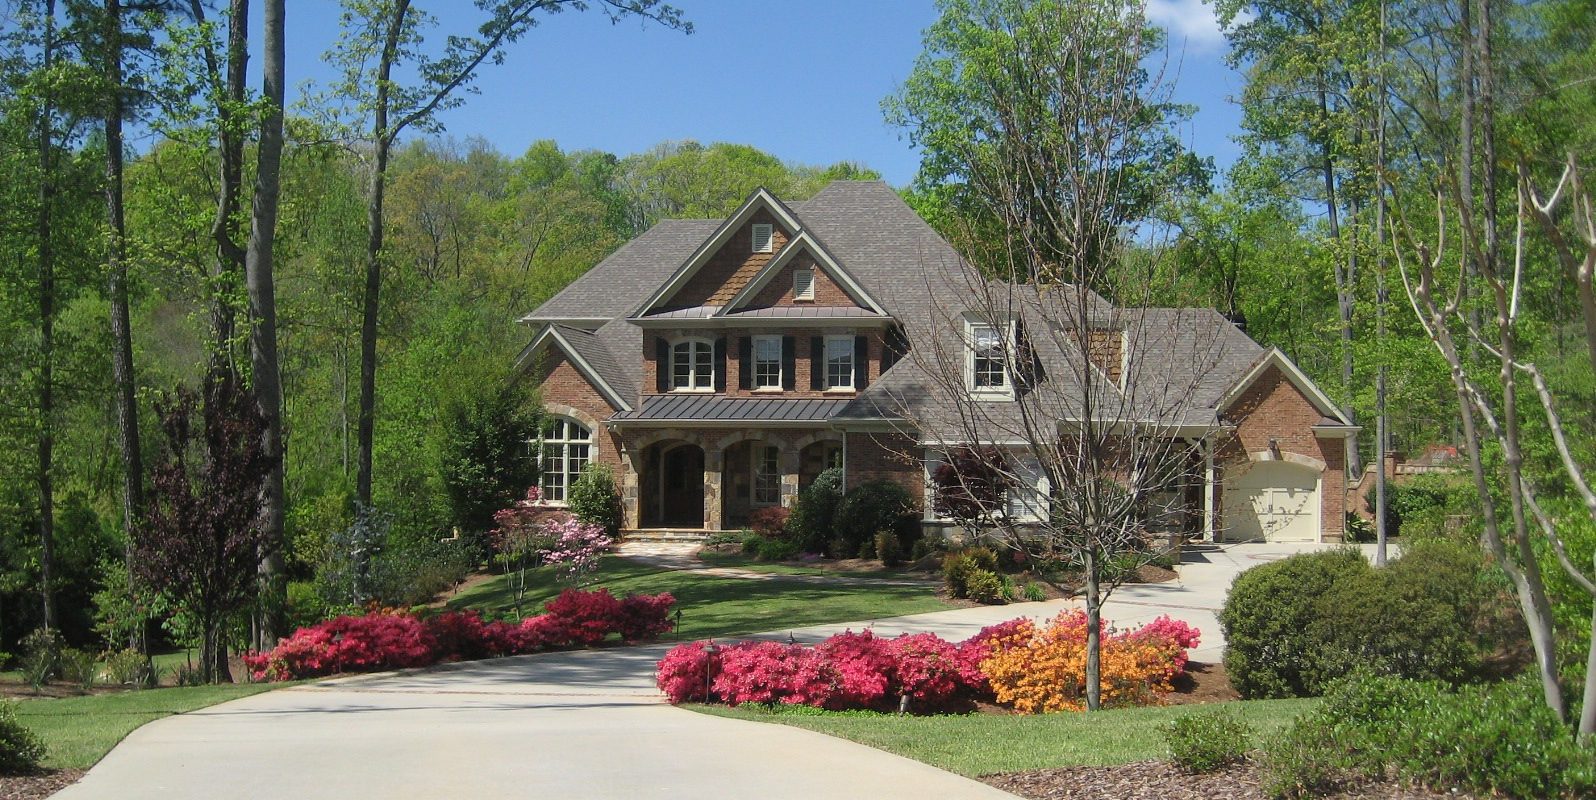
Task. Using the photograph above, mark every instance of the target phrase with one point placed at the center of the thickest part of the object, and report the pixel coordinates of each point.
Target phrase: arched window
(563, 450)
(693, 366)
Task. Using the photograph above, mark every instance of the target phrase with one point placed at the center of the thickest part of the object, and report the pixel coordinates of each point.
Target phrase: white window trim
(803, 294)
(852, 367)
(769, 232)
(1006, 391)
(565, 443)
(754, 463)
(692, 389)
(753, 362)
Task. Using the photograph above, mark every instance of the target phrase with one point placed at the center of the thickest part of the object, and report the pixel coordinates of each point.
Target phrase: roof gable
(1294, 374)
(760, 200)
(804, 241)
(584, 352)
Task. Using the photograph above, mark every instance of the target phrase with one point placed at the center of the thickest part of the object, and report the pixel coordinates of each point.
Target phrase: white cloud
(1189, 20)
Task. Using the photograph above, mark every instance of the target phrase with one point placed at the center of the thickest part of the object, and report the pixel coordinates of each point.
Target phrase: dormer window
(803, 284)
(986, 366)
(764, 241)
(693, 366)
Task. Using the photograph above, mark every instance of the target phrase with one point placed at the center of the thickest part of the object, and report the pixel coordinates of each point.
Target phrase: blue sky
(801, 80)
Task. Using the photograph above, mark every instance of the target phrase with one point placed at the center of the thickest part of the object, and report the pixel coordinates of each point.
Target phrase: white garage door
(1274, 501)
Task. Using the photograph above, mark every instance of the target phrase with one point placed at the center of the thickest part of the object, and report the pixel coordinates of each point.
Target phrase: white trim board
(1294, 374)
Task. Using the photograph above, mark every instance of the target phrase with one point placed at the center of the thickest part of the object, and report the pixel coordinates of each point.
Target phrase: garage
(1272, 501)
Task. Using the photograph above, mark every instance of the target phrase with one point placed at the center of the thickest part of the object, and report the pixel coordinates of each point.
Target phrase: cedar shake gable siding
(732, 267)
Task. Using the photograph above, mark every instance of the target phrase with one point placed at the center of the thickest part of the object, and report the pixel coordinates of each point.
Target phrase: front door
(682, 487)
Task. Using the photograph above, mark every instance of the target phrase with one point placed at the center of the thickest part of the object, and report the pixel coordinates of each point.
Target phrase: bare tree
(1095, 413)
(1488, 387)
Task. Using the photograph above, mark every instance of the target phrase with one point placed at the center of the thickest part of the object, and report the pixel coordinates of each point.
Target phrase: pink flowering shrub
(863, 666)
(770, 672)
(682, 673)
(389, 640)
(1175, 639)
(927, 668)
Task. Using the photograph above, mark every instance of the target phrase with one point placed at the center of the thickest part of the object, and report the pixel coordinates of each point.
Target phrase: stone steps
(692, 535)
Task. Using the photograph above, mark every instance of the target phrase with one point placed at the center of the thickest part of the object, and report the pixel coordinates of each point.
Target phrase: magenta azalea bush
(863, 671)
(386, 640)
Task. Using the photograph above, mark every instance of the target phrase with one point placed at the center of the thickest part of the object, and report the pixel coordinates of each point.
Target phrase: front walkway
(581, 724)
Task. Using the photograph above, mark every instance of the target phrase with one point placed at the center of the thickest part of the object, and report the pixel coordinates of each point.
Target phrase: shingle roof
(629, 275)
(592, 349)
(719, 408)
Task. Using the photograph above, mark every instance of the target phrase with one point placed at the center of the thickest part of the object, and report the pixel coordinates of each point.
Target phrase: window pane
(767, 362)
(703, 366)
(767, 476)
(839, 362)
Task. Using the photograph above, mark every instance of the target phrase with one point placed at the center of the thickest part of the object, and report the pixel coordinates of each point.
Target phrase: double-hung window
(767, 476)
(767, 362)
(563, 451)
(987, 366)
(693, 366)
(839, 362)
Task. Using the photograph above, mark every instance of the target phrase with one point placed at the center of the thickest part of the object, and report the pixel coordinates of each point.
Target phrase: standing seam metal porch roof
(720, 408)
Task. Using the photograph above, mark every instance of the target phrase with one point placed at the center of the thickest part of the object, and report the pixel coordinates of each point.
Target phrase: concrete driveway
(583, 724)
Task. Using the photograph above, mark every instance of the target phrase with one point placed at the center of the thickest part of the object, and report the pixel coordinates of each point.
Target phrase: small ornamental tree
(482, 460)
(970, 489)
(202, 538)
(531, 535)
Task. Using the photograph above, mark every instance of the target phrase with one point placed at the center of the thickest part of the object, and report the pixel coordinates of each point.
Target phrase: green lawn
(981, 744)
(718, 607)
(78, 731)
(741, 561)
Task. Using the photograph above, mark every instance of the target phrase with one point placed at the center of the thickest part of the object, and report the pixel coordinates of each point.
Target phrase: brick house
(720, 365)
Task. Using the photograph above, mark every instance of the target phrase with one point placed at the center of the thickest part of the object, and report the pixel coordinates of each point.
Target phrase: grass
(78, 731)
(982, 744)
(717, 607)
(741, 561)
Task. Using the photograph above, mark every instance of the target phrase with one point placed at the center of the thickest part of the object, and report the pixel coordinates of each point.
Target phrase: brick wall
(886, 457)
(1273, 408)
(779, 291)
(562, 384)
(728, 271)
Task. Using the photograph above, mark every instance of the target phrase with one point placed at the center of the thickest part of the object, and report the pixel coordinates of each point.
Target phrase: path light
(710, 651)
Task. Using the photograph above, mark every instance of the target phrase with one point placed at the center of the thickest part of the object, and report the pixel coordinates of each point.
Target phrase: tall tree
(390, 32)
(259, 280)
(45, 233)
(225, 82)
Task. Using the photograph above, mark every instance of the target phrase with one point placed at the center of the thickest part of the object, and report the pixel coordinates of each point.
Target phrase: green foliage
(888, 549)
(770, 548)
(20, 749)
(1206, 741)
(128, 667)
(593, 497)
(1496, 738)
(972, 573)
(81, 668)
(815, 513)
(414, 572)
(41, 657)
(346, 577)
(482, 456)
(1266, 619)
(1360, 530)
(1034, 593)
(872, 507)
(986, 586)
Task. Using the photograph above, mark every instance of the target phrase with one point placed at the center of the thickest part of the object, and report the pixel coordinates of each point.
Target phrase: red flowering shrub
(769, 672)
(863, 666)
(645, 616)
(1174, 637)
(589, 616)
(769, 521)
(927, 668)
(681, 674)
(395, 640)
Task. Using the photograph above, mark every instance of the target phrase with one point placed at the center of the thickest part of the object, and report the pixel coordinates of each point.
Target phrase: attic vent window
(803, 284)
(764, 242)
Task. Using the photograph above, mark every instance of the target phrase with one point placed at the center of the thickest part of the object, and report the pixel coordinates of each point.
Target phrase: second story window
(839, 362)
(693, 366)
(767, 362)
(764, 241)
(987, 367)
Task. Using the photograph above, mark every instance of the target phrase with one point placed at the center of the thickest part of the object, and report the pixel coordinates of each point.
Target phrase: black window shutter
(745, 362)
(817, 363)
(662, 374)
(789, 362)
(861, 362)
(720, 364)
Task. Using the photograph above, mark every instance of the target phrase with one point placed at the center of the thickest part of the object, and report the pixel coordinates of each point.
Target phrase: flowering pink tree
(530, 534)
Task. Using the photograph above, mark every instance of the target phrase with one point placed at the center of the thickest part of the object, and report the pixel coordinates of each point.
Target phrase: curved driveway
(581, 724)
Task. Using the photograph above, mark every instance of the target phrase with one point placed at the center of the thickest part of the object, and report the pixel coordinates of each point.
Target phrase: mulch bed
(1202, 683)
(1160, 780)
(34, 787)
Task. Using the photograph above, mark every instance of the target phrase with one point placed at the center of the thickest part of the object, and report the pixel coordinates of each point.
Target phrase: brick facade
(728, 271)
(885, 457)
(564, 391)
(779, 292)
(1274, 410)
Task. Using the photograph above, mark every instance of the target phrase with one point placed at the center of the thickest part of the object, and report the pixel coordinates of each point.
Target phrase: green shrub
(1360, 530)
(20, 749)
(875, 506)
(1267, 616)
(777, 549)
(867, 549)
(413, 573)
(1491, 739)
(594, 499)
(752, 543)
(986, 586)
(1409, 498)
(80, 668)
(41, 657)
(838, 547)
(725, 537)
(958, 566)
(1207, 740)
(1034, 592)
(128, 668)
(888, 549)
(305, 605)
(481, 452)
(1381, 621)
(814, 515)
(927, 545)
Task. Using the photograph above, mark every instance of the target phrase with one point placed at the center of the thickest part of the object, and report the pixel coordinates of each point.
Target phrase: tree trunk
(1094, 634)
(225, 224)
(258, 268)
(382, 140)
(44, 228)
(122, 374)
(1344, 277)
(1587, 711)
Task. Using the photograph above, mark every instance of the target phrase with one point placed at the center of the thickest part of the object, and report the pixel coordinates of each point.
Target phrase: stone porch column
(789, 462)
(714, 464)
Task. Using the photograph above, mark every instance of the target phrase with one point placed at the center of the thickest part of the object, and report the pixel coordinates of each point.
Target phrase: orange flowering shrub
(1048, 672)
